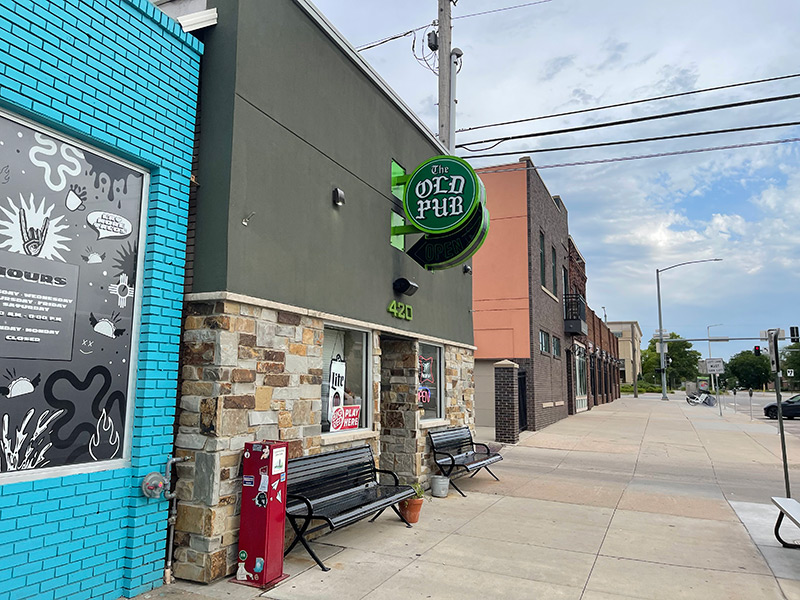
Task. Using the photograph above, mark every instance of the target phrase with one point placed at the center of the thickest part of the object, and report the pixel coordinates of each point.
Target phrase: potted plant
(410, 508)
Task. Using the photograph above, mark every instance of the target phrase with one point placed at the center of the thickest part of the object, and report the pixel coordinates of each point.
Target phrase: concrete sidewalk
(635, 499)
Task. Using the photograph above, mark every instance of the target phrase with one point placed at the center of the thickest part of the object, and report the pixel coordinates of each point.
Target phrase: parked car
(790, 408)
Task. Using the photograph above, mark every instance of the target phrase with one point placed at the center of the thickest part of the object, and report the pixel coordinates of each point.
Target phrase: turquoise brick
(62, 64)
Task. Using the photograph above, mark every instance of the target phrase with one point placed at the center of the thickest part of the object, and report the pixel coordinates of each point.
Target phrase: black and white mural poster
(69, 237)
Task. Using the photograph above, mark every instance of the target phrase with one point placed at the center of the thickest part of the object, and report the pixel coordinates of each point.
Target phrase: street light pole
(661, 339)
(634, 366)
(660, 323)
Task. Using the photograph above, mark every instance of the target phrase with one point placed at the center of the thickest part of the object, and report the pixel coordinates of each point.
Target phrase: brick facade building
(529, 287)
(98, 106)
(598, 349)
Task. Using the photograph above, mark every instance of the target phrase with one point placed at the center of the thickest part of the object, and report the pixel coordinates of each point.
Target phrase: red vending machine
(263, 514)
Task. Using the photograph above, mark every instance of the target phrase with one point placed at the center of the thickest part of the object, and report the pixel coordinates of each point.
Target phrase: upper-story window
(544, 341)
(397, 219)
(555, 270)
(542, 271)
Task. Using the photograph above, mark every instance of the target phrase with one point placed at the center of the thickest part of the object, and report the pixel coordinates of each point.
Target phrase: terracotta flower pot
(410, 509)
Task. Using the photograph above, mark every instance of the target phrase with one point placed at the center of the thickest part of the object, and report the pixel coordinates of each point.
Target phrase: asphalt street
(741, 403)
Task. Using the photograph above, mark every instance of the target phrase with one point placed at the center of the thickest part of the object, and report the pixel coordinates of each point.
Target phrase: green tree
(790, 359)
(749, 370)
(681, 359)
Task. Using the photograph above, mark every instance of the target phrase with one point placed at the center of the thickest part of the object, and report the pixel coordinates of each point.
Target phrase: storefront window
(71, 286)
(580, 363)
(345, 355)
(430, 390)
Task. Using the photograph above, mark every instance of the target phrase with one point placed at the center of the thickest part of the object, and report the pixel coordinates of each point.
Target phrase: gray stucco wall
(306, 119)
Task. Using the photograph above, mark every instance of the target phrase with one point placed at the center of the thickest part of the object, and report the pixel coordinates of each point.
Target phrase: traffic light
(794, 333)
(757, 350)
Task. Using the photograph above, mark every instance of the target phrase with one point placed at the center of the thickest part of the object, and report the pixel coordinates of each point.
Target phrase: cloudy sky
(631, 217)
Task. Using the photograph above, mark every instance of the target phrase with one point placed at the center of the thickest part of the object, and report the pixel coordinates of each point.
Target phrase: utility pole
(634, 365)
(448, 63)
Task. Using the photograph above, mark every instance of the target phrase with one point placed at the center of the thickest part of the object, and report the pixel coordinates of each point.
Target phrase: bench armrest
(447, 454)
(392, 473)
(484, 445)
(303, 499)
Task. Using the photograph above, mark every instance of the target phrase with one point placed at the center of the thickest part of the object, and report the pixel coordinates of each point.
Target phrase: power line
(640, 140)
(641, 156)
(390, 38)
(679, 113)
(497, 10)
(629, 103)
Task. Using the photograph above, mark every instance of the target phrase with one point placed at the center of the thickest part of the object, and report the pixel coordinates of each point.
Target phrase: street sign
(715, 366)
(701, 366)
(790, 372)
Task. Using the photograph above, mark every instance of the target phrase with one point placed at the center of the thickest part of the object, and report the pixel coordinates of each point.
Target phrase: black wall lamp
(338, 197)
(405, 286)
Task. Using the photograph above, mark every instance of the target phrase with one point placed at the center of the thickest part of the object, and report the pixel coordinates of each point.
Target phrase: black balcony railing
(575, 314)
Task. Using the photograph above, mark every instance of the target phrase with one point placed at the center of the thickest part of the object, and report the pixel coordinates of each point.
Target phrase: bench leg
(778, 535)
(377, 514)
(399, 514)
(299, 533)
(453, 483)
(492, 474)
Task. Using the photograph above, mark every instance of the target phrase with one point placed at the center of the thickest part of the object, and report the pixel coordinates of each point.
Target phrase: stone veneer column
(400, 435)
(506, 402)
(249, 373)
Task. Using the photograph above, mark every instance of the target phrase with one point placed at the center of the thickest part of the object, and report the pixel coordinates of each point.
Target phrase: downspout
(173, 516)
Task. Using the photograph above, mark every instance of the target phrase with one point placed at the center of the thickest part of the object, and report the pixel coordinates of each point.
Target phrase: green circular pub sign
(441, 194)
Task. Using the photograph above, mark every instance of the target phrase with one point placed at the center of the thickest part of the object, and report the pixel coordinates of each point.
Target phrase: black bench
(338, 488)
(791, 508)
(455, 449)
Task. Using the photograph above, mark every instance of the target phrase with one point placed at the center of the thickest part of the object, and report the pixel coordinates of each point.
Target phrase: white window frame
(544, 336)
(123, 462)
(366, 375)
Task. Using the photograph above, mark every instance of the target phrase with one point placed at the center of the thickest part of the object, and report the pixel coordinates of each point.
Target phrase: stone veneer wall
(249, 373)
(404, 443)
(459, 393)
(253, 373)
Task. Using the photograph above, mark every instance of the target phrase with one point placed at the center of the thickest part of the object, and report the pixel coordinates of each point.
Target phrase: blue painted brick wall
(121, 76)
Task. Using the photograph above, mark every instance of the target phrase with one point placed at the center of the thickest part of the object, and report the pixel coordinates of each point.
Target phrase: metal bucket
(440, 485)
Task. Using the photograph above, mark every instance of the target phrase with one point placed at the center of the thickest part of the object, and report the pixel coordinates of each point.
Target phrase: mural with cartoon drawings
(69, 239)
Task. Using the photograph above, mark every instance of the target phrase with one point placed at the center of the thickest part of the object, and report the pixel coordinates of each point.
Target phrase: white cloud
(630, 218)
